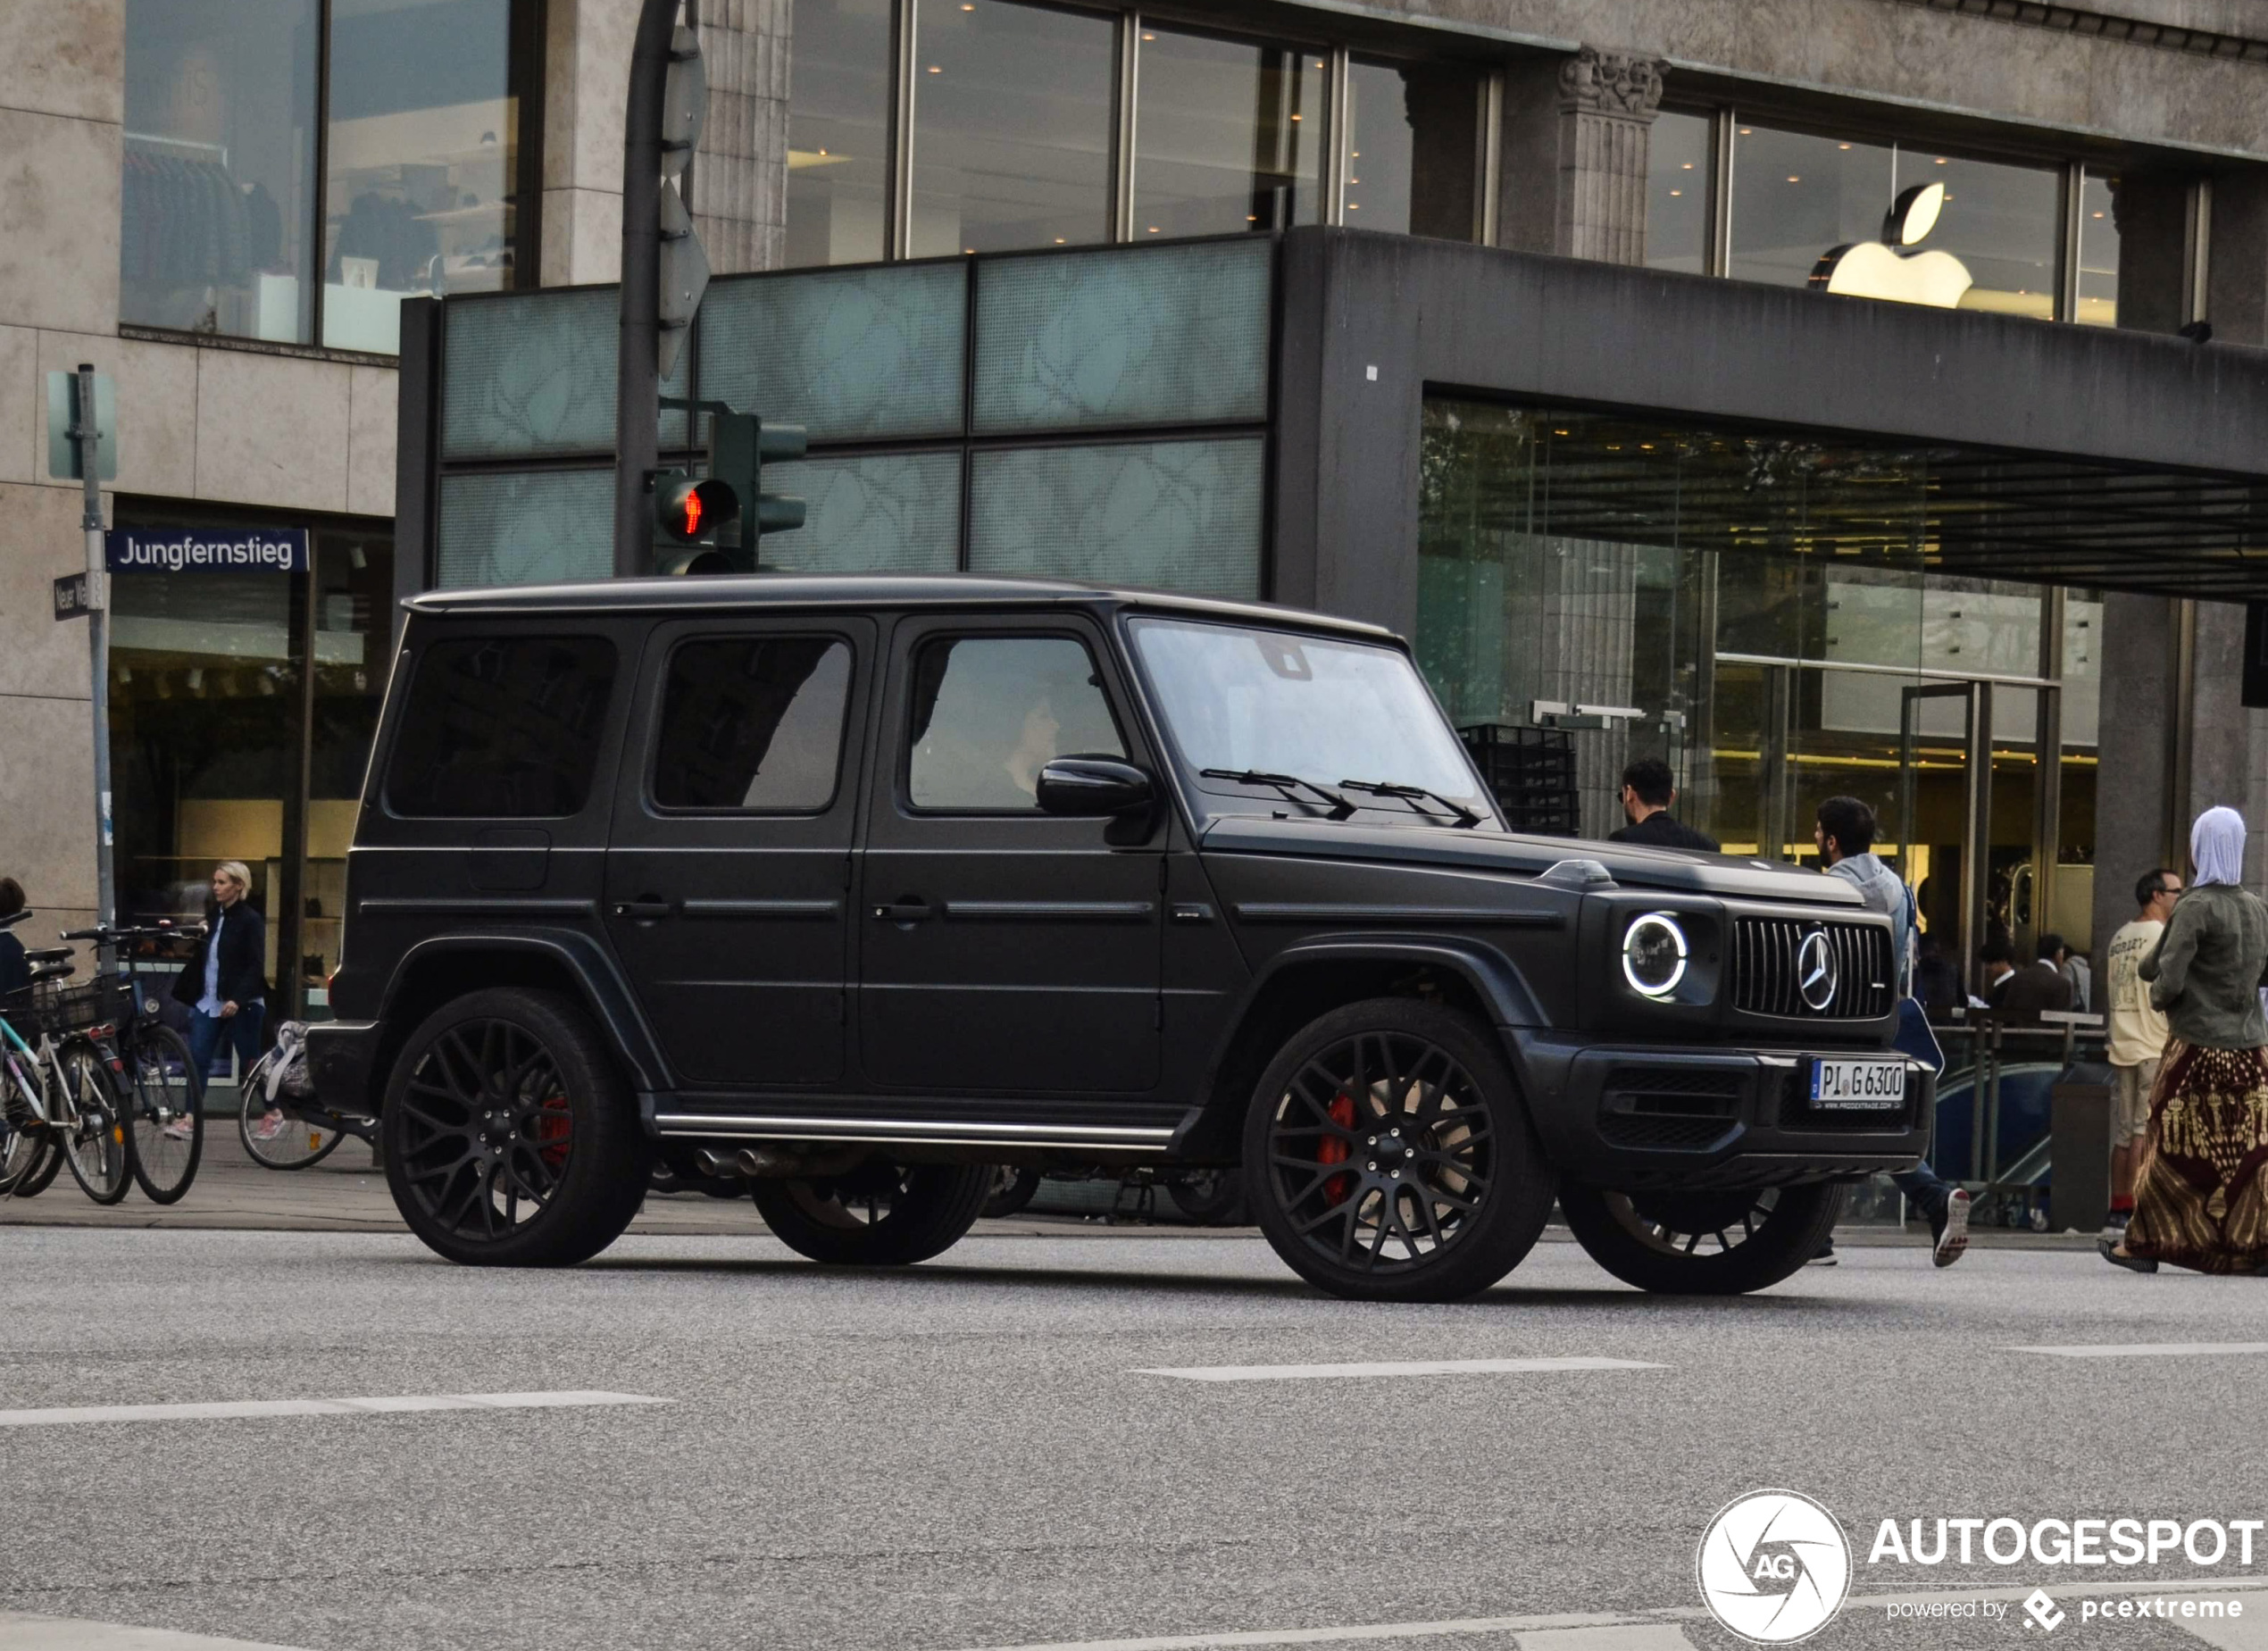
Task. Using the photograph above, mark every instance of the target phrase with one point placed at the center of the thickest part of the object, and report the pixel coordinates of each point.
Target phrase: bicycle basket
(57, 1009)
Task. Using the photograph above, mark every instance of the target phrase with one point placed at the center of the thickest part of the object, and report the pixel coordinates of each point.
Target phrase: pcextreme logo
(1774, 1567)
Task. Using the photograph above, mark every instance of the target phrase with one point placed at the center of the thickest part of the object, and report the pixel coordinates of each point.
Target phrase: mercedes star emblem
(1815, 970)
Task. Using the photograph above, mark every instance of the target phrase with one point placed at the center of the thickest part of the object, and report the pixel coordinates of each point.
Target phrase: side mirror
(1094, 786)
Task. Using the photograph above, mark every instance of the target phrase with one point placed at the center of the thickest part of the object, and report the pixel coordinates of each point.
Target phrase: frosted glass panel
(1181, 516)
(899, 514)
(526, 528)
(534, 374)
(1177, 335)
(851, 355)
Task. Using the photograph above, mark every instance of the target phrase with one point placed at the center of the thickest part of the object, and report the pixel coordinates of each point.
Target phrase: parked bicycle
(64, 1091)
(279, 1119)
(164, 1101)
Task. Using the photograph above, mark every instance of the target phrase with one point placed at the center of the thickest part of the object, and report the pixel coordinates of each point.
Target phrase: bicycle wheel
(166, 1114)
(93, 1125)
(291, 1142)
(20, 1142)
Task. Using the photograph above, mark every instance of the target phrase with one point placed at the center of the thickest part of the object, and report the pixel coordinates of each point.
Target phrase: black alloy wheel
(1703, 1243)
(1388, 1155)
(509, 1137)
(880, 1214)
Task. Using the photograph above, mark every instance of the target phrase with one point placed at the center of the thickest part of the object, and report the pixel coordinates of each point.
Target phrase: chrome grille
(1765, 979)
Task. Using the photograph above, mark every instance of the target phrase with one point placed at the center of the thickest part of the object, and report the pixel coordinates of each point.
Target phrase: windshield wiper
(1289, 784)
(1412, 795)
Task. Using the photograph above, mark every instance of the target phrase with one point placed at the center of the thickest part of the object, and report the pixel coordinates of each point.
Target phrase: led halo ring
(1667, 923)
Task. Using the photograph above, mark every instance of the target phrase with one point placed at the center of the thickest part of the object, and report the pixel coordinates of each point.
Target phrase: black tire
(1014, 1185)
(1209, 1197)
(95, 1142)
(511, 1139)
(40, 1174)
(23, 1155)
(166, 1090)
(881, 1214)
(1703, 1243)
(1441, 1165)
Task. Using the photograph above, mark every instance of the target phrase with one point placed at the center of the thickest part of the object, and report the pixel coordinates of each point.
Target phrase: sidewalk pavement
(344, 1193)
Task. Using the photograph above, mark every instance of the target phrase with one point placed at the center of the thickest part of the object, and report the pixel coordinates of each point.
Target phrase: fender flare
(1493, 977)
(586, 963)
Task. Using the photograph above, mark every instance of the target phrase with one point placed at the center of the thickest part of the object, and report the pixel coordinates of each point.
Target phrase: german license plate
(1858, 1083)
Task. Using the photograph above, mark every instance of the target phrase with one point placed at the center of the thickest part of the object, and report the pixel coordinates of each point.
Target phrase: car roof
(762, 592)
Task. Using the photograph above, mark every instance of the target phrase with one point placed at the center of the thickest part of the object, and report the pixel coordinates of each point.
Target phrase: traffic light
(739, 443)
(691, 519)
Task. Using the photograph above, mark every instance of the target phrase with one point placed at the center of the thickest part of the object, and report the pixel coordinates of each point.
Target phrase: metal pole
(89, 434)
(638, 384)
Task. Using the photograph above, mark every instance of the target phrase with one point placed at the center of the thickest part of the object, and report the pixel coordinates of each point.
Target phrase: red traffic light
(690, 512)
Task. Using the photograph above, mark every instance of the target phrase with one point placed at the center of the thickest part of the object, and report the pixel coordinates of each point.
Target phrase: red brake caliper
(552, 1127)
(1333, 1150)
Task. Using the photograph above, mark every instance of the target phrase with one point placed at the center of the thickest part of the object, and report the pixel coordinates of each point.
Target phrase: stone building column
(739, 176)
(1576, 138)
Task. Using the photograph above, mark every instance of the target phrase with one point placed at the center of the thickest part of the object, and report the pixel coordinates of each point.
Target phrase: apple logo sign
(1883, 269)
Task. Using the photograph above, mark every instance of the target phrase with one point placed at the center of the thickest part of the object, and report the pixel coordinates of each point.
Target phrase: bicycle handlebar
(13, 918)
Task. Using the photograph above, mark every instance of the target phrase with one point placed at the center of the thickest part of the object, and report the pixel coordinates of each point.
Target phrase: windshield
(1243, 701)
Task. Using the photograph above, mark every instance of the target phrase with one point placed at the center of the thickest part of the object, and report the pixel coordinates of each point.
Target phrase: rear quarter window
(501, 728)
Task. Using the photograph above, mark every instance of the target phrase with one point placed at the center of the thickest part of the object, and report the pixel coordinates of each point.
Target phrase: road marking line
(1621, 1637)
(2148, 1349)
(21, 1632)
(226, 1409)
(1335, 1635)
(1404, 1367)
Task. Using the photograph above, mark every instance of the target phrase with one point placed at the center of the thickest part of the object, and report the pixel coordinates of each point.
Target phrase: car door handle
(903, 912)
(642, 911)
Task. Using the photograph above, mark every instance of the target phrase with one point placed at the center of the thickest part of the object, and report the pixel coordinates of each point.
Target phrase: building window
(839, 133)
(1011, 126)
(217, 204)
(1676, 193)
(242, 708)
(1414, 148)
(1798, 197)
(417, 110)
(2098, 286)
(1227, 135)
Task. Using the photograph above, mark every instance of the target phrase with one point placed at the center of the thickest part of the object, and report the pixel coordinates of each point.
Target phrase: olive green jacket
(2206, 970)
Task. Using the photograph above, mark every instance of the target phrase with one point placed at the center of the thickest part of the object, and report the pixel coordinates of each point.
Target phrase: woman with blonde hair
(225, 981)
(2199, 1200)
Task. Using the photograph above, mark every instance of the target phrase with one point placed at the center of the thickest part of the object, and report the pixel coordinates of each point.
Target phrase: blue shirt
(211, 1002)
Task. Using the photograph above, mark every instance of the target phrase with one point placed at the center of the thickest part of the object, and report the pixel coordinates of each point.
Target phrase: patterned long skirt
(2199, 1198)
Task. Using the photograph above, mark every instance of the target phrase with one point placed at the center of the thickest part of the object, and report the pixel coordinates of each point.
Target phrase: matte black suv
(857, 887)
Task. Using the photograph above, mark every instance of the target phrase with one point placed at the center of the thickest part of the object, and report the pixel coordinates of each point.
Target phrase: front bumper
(1640, 1116)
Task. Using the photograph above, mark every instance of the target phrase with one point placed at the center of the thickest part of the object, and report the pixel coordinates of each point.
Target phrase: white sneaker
(1952, 1238)
(180, 1130)
(272, 1126)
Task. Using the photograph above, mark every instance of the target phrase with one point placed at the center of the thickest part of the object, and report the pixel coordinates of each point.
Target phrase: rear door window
(501, 728)
(752, 724)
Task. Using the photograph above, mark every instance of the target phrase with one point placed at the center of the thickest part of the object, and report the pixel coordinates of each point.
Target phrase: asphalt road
(966, 1455)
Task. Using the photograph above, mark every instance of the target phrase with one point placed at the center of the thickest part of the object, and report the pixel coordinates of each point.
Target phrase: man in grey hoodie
(1845, 837)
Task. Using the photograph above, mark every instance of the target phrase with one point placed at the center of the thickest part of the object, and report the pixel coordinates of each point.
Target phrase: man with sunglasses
(2138, 1034)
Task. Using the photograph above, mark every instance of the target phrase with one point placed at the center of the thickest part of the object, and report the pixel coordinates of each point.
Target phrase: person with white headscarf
(2199, 1196)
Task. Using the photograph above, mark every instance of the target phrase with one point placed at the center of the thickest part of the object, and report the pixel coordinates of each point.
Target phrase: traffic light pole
(637, 410)
(89, 434)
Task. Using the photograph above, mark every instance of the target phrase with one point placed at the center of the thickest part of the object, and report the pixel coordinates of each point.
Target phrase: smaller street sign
(62, 415)
(70, 596)
(205, 550)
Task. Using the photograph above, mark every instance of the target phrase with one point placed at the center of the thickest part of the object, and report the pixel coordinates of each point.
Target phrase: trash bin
(2079, 1144)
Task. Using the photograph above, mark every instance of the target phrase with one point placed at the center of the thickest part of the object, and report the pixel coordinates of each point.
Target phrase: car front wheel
(511, 1138)
(1388, 1155)
(1703, 1243)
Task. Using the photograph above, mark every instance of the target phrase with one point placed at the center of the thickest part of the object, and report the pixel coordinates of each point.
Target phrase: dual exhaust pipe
(746, 1164)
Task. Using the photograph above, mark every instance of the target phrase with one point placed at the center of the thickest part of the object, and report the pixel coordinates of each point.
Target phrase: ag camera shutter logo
(1774, 1567)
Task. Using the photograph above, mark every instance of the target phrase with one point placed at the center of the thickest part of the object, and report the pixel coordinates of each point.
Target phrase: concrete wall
(255, 427)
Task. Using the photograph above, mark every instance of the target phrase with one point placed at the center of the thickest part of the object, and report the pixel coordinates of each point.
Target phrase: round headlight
(1654, 954)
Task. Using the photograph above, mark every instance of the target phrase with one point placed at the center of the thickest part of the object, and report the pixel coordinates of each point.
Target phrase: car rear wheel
(1703, 1243)
(511, 1138)
(880, 1214)
(1388, 1155)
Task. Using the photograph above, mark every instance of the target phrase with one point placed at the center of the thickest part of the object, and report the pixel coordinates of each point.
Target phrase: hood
(1631, 865)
